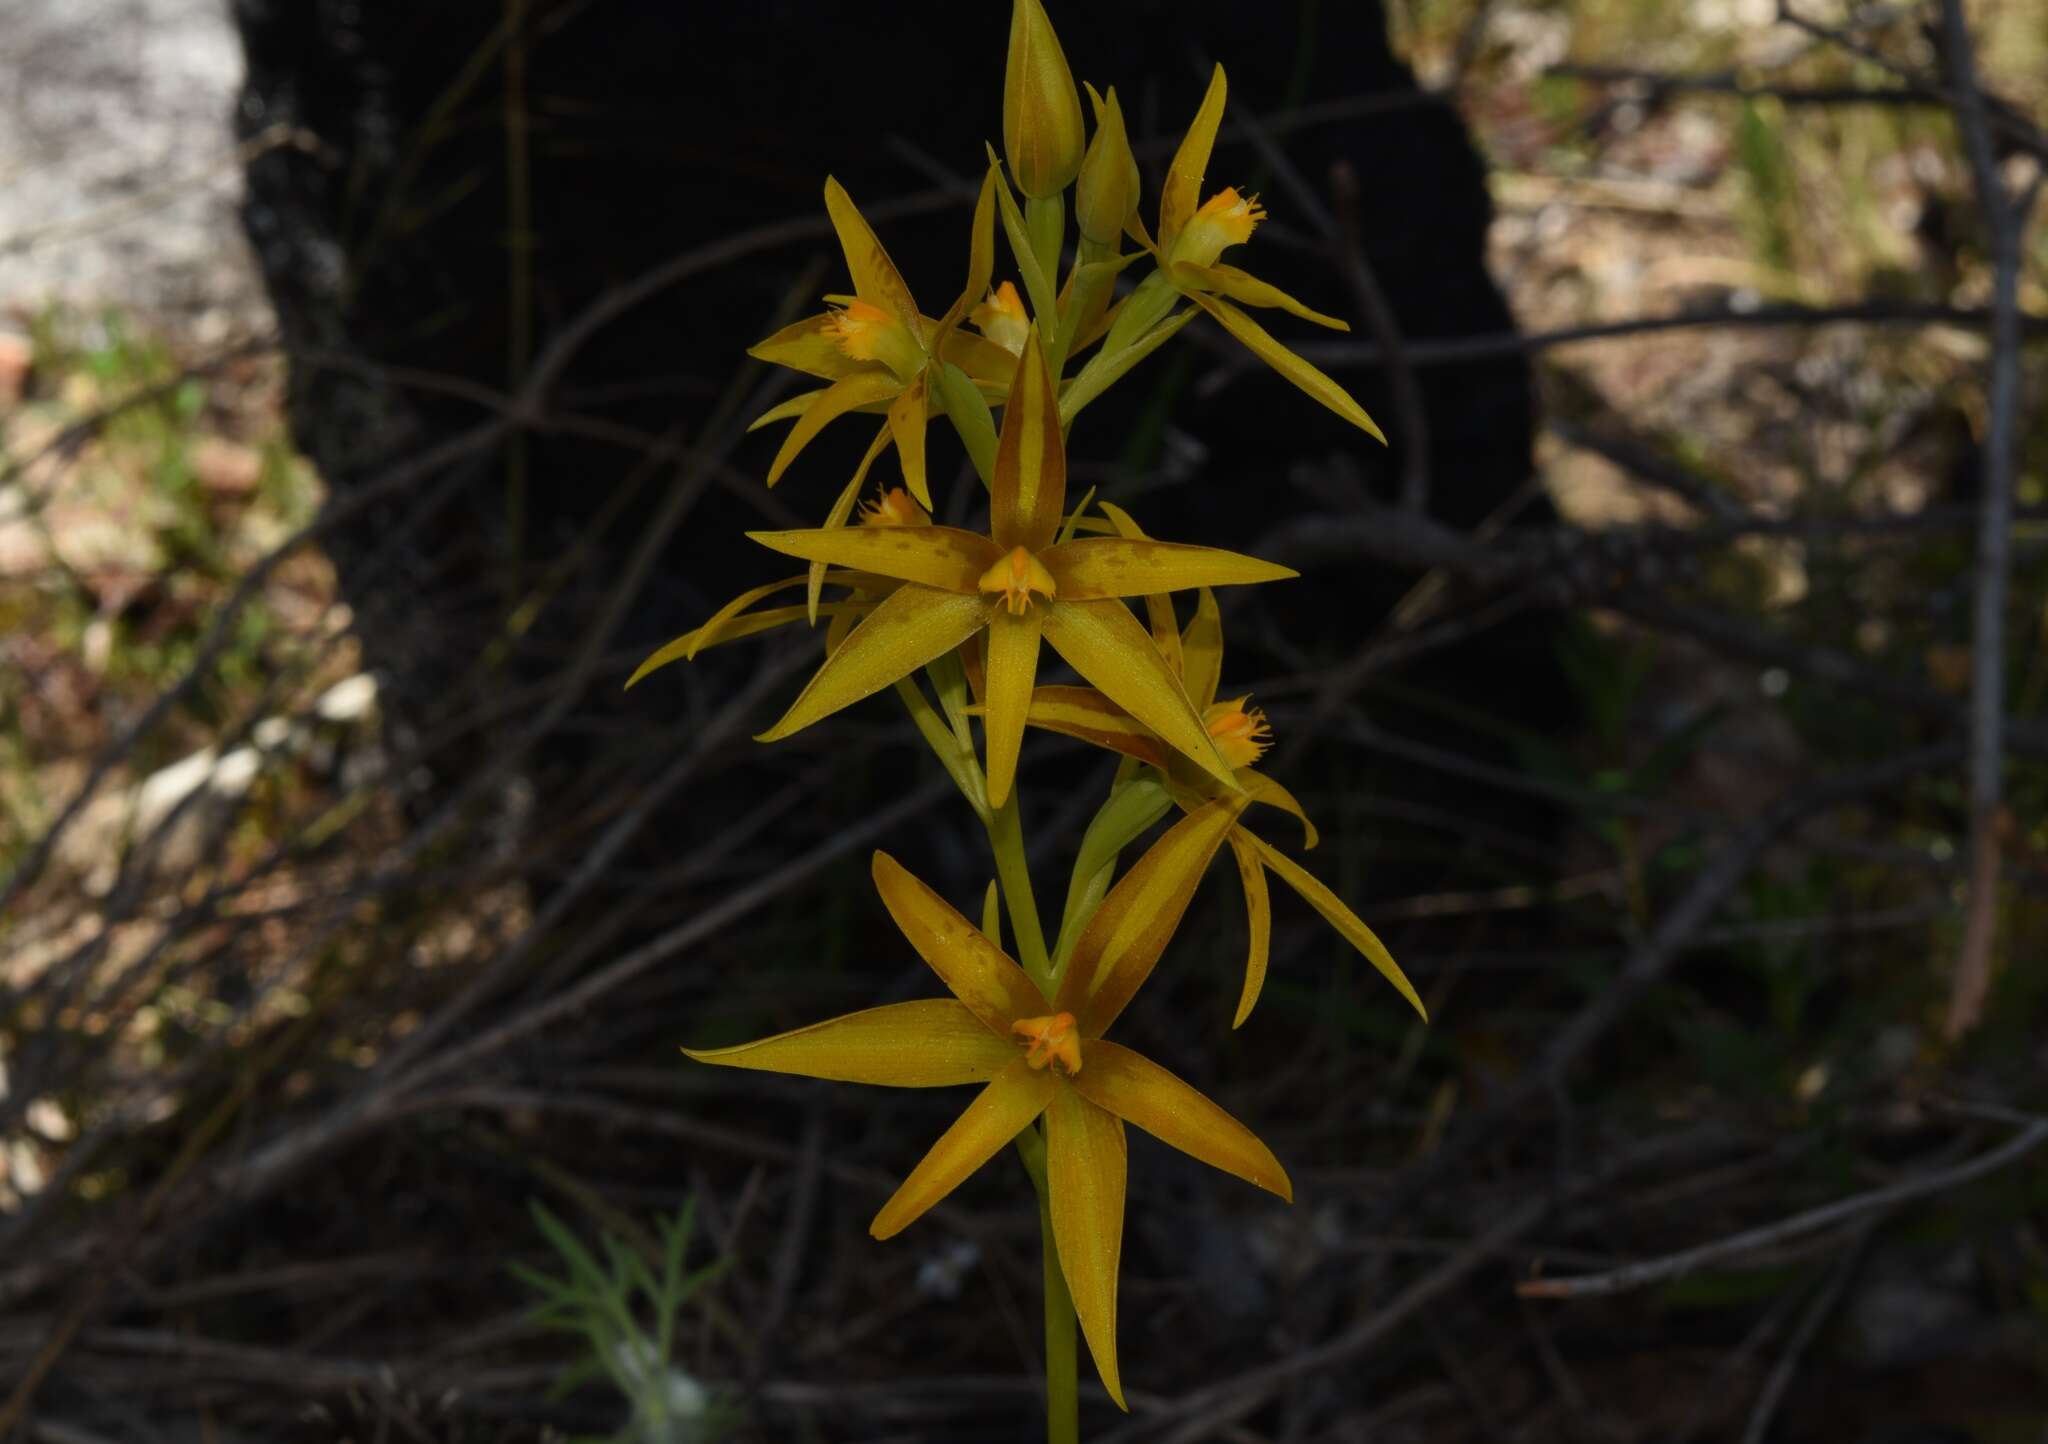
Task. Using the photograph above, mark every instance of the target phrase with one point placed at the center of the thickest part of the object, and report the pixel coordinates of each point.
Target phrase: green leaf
(969, 412)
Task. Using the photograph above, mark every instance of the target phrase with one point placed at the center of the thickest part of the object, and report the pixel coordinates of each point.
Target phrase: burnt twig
(2005, 219)
(1857, 1206)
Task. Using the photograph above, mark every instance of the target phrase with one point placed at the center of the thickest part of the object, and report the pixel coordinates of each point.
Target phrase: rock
(225, 468)
(168, 821)
(122, 178)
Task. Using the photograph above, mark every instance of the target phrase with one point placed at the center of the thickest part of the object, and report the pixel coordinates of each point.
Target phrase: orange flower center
(1017, 576)
(1053, 1040)
(1241, 733)
(1001, 318)
(1225, 219)
(893, 506)
(865, 332)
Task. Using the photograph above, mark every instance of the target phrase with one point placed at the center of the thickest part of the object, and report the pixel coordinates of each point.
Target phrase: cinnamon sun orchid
(1241, 734)
(1020, 586)
(1193, 234)
(877, 349)
(1038, 1056)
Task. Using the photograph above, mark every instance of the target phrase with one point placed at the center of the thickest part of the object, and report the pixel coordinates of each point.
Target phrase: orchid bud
(1042, 132)
(1107, 192)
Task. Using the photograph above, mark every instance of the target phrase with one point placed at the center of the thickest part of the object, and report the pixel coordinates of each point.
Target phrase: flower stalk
(1062, 1381)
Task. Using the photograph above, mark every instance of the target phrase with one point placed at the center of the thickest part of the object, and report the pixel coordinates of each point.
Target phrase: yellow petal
(980, 974)
(727, 624)
(1085, 713)
(709, 634)
(1093, 567)
(1085, 1167)
(1289, 365)
(992, 913)
(1012, 666)
(1117, 950)
(1182, 195)
(1134, 227)
(970, 656)
(998, 1114)
(931, 1043)
(1079, 518)
(1258, 908)
(910, 627)
(906, 425)
(875, 277)
(1139, 1091)
(846, 394)
(1244, 286)
(689, 644)
(841, 627)
(1105, 644)
(1201, 651)
(1031, 460)
(787, 410)
(981, 267)
(943, 557)
(1261, 788)
(1339, 917)
(842, 508)
(809, 346)
(1158, 605)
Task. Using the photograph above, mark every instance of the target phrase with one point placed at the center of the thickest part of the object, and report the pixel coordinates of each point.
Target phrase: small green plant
(627, 1314)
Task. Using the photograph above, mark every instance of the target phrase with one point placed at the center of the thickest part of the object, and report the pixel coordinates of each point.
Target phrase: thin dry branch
(1455, 351)
(2005, 219)
(1845, 1210)
(1824, 1300)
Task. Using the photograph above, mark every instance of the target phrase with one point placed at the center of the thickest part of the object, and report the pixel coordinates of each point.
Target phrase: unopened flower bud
(1108, 188)
(1042, 132)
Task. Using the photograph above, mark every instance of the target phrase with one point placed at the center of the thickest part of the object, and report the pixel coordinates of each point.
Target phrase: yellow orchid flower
(1020, 586)
(1241, 734)
(1037, 1057)
(1193, 234)
(876, 348)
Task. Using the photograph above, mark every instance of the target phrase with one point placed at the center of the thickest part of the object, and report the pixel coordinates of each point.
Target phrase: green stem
(1006, 840)
(1145, 308)
(1045, 219)
(954, 748)
(1062, 1384)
